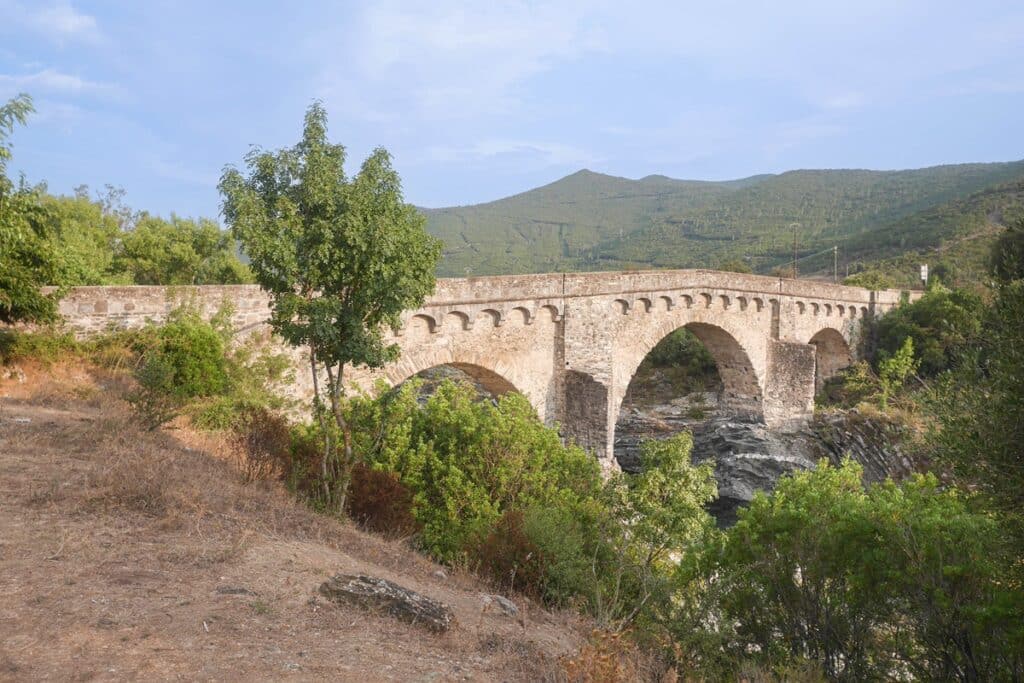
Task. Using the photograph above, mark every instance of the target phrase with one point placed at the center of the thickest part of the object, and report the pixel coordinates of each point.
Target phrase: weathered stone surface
(571, 342)
(874, 442)
(501, 603)
(380, 594)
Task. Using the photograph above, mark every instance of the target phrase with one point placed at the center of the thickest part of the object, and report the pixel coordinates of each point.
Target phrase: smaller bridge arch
(832, 353)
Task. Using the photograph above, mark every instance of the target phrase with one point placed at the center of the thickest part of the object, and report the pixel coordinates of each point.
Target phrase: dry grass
(118, 547)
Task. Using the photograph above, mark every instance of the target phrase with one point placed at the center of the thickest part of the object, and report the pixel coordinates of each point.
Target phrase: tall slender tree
(341, 259)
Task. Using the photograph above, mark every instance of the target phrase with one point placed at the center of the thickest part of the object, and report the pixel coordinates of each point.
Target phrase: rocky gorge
(748, 456)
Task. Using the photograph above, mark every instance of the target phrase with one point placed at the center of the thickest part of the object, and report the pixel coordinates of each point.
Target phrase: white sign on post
(924, 273)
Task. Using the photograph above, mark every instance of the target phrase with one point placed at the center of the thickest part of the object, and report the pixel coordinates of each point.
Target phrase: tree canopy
(341, 259)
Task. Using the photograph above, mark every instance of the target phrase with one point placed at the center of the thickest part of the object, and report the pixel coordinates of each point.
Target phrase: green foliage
(256, 374)
(27, 258)
(870, 279)
(156, 401)
(86, 238)
(867, 582)
(194, 352)
(656, 517)
(683, 348)
(979, 408)
(941, 323)
(341, 260)
(680, 359)
(495, 489)
(1007, 260)
(894, 371)
(179, 251)
(468, 460)
(45, 346)
(852, 386)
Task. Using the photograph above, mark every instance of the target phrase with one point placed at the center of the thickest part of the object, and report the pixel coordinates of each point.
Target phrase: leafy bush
(870, 279)
(194, 352)
(156, 401)
(979, 409)
(495, 489)
(851, 386)
(683, 348)
(185, 361)
(45, 346)
(1006, 261)
(867, 582)
(894, 371)
(941, 324)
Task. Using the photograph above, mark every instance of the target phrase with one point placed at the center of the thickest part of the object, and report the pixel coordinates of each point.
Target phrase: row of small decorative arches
(466, 318)
(726, 302)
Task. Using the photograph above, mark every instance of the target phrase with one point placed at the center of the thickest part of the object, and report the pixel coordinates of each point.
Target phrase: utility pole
(794, 226)
(835, 264)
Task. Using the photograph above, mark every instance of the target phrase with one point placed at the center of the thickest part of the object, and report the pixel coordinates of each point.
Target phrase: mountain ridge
(589, 220)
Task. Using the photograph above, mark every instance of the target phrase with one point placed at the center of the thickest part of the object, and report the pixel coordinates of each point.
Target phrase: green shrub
(870, 279)
(156, 401)
(942, 323)
(851, 386)
(866, 582)
(184, 360)
(193, 352)
(46, 346)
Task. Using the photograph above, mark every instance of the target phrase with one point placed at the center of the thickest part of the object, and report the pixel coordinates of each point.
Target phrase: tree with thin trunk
(341, 259)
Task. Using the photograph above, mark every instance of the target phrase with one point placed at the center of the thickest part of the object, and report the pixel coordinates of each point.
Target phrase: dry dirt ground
(133, 555)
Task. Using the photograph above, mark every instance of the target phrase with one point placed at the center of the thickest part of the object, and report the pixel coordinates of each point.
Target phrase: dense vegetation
(60, 241)
(589, 221)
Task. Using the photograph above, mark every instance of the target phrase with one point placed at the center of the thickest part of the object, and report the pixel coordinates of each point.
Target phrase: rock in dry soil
(380, 594)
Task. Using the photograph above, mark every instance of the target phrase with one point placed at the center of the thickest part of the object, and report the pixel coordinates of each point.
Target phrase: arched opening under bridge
(831, 355)
(696, 373)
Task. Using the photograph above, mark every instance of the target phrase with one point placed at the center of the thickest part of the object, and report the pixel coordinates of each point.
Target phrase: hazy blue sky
(481, 100)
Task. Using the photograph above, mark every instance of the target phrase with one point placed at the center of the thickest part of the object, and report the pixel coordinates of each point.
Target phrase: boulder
(382, 595)
(506, 606)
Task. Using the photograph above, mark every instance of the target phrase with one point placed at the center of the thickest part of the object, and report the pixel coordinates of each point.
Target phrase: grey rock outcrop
(380, 594)
(750, 457)
(874, 442)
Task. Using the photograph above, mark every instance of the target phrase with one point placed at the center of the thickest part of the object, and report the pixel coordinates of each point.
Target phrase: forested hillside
(590, 221)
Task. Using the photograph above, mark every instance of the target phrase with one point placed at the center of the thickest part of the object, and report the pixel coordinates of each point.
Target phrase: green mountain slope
(590, 221)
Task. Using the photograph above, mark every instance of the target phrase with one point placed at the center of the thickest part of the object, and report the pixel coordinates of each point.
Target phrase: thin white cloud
(51, 80)
(61, 22)
(451, 60)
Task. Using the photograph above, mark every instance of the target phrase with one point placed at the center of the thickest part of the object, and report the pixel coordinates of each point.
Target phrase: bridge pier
(789, 387)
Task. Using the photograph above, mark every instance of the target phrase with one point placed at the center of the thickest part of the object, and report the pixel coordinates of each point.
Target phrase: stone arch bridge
(571, 342)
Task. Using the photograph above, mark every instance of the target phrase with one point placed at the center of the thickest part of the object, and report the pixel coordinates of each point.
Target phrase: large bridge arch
(740, 379)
